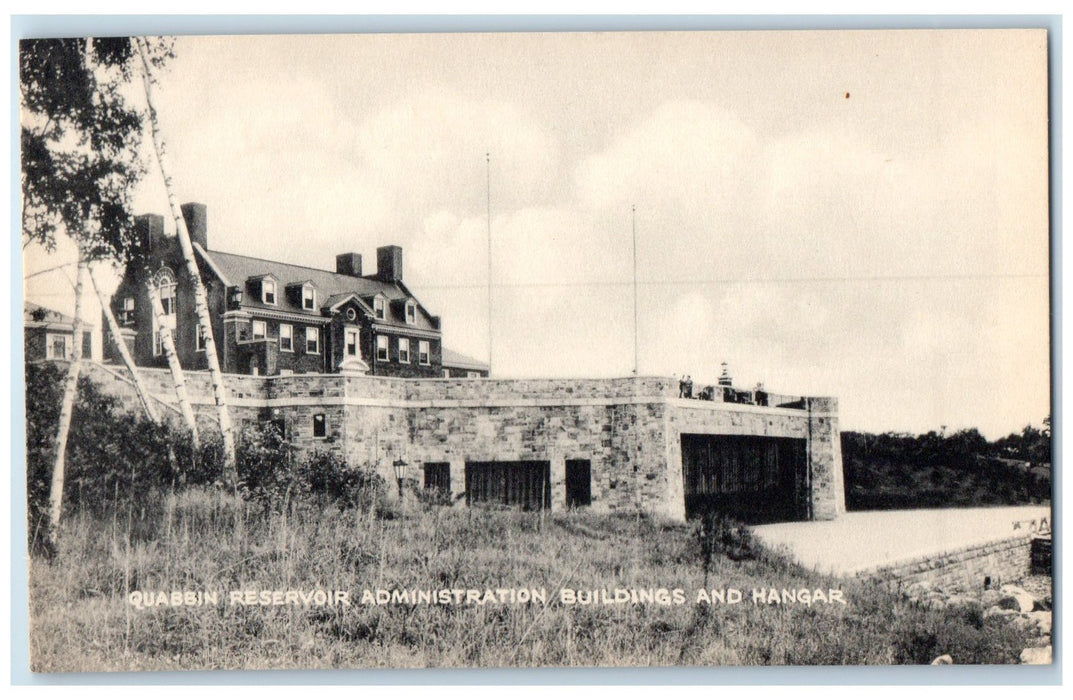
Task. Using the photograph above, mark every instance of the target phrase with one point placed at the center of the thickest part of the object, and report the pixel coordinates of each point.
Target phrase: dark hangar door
(524, 483)
(753, 478)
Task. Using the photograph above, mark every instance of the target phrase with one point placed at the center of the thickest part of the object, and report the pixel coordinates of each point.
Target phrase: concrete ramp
(864, 541)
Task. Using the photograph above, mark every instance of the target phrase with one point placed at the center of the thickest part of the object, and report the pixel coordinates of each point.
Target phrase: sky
(853, 214)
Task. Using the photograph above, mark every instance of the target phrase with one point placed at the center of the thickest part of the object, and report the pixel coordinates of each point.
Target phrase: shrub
(266, 465)
(326, 477)
(115, 460)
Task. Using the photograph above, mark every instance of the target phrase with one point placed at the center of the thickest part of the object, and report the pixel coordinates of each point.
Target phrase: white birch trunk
(70, 391)
(124, 353)
(168, 344)
(218, 389)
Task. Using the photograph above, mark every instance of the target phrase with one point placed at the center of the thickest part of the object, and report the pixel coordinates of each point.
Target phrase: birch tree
(219, 390)
(167, 343)
(79, 142)
(70, 391)
(124, 352)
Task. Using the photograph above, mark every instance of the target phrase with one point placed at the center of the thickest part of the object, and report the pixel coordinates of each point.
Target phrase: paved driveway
(864, 540)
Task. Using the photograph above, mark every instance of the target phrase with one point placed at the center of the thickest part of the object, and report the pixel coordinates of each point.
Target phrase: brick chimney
(197, 223)
(389, 263)
(348, 264)
(150, 228)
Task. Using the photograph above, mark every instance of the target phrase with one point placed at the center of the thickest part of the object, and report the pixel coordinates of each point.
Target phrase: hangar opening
(524, 483)
(753, 478)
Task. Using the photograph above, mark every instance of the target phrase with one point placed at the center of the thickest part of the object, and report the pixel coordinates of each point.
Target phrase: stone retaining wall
(973, 568)
(629, 428)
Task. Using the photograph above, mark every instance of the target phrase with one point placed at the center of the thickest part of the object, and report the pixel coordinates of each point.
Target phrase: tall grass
(204, 540)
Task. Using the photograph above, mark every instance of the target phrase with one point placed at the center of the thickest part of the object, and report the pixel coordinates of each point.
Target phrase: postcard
(501, 350)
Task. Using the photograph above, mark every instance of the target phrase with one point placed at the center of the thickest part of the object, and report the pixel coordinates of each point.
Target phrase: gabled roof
(330, 285)
(37, 316)
(460, 361)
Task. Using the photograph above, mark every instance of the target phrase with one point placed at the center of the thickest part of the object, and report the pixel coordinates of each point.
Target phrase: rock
(1035, 656)
(1042, 621)
(1016, 596)
(961, 601)
(996, 611)
(946, 660)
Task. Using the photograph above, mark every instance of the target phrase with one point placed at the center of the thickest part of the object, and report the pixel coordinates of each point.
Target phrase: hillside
(890, 470)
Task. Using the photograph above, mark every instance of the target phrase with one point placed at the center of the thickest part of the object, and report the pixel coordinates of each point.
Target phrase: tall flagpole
(633, 212)
(488, 215)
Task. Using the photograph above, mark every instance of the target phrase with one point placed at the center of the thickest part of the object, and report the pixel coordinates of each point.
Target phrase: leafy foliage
(935, 469)
(80, 140)
(115, 460)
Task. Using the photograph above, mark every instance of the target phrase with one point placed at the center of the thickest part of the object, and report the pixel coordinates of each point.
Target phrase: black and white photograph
(589, 349)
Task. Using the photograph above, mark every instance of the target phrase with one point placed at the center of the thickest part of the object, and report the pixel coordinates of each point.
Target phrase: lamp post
(400, 473)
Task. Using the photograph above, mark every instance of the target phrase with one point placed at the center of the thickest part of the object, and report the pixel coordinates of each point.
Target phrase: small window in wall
(404, 349)
(320, 425)
(423, 352)
(312, 340)
(57, 346)
(446, 374)
(268, 292)
(259, 329)
(309, 298)
(411, 312)
(351, 343)
(286, 337)
(199, 340)
(438, 476)
(380, 307)
(470, 374)
(381, 348)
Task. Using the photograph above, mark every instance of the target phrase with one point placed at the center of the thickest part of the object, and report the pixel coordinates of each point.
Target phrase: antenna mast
(633, 212)
(488, 215)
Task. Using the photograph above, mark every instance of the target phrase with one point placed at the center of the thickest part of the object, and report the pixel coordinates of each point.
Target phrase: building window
(309, 298)
(438, 476)
(57, 346)
(473, 375)
(286, 337)
(320, 425)
(312, 340)
(268, 292)
(411, 312)
(446, 374)
(381, 348)
(380, 307)
(199, 340)
(352, 343)
(260, 330)
(404, 349)
(158, 342)
(424, 356)
(167, 302)
(126, 314)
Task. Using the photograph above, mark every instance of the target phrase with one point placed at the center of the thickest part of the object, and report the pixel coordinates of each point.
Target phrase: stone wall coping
(966, 552)
(476, 380)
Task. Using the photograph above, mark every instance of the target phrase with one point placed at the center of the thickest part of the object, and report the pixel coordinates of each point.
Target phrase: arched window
(167, 290)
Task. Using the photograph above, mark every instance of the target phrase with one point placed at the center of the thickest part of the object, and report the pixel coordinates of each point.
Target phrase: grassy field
(201, 540)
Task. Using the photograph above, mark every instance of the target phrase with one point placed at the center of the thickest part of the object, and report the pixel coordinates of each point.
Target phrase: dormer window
(411, 312)
(309, 298)
(380, 307)
(268, 291)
